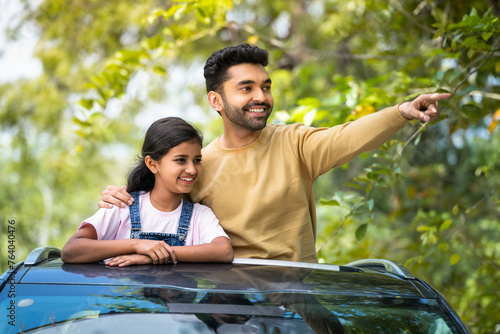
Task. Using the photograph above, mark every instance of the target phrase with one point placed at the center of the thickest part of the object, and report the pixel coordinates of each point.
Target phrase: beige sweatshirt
(263, 193)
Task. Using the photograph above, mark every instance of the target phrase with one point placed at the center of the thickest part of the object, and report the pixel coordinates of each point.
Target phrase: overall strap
(186, 213)
(135, 218)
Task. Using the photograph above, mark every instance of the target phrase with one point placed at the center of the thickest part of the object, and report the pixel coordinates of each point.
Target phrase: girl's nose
(191, 169)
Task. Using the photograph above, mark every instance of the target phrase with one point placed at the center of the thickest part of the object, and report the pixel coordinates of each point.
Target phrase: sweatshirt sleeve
(206, 226)
(321, 149)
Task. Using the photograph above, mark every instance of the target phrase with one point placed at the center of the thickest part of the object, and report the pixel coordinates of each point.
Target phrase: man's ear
(215, 100)
(151, 164)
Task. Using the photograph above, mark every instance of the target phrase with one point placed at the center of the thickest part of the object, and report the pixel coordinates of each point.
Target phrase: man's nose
(259, 95)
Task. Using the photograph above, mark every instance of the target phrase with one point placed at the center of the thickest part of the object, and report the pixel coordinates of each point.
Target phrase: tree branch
(410, 17)
(490, 54)
(302, 54)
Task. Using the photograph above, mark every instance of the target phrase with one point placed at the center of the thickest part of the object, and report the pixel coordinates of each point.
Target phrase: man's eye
(268, 88)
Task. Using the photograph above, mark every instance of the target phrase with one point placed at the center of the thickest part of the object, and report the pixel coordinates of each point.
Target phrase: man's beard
(238, 116)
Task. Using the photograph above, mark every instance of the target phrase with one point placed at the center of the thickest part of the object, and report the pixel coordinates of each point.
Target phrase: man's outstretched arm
(326, 148)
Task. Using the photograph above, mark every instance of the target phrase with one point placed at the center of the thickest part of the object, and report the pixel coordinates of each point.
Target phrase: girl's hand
(128, 260)
(159, 251)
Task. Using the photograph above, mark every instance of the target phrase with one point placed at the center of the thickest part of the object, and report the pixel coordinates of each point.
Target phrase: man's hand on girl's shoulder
(114, 195)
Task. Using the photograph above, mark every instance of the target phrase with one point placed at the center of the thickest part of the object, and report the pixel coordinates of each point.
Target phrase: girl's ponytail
(140, 178)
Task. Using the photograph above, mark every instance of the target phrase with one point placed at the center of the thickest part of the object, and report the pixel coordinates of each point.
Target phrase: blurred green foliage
(429, 198)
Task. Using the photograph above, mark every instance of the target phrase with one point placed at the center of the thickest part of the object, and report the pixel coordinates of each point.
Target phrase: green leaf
(181, 12)
(202, 15)
(154, 42)
(467, 90)
(471, 53)
(361, 231)
(432, 238)
(486, 35)
(482, 170)
(160, 70)
(384, 171)
(450, 75)
(371, 204)
(96, 116)
(332, 202)
(454, 259)
(455, 40)
(173, 10)
(382, 183)
(444, 246)
(445, 225)
(423, 228)
(354, 185)
(470, 109)
(79, 121)
(358, 208)
(87, 103)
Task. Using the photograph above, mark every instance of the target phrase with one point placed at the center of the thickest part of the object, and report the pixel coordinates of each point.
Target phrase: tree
(428, 198)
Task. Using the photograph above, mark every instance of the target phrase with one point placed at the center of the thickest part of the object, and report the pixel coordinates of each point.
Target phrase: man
(258, 177)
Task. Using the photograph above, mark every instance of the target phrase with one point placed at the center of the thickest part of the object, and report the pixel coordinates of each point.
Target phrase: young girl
(160, 226)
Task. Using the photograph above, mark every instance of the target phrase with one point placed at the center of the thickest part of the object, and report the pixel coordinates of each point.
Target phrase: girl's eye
(180, 160)
(197, 161)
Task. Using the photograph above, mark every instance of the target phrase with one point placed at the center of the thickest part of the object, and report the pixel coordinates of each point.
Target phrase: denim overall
(173, 239)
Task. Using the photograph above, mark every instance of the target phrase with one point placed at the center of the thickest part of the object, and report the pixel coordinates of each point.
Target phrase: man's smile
(260, 108)
(257, 110)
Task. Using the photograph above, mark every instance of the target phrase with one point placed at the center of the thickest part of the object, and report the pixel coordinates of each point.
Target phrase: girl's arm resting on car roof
(83, 247)
(128, 260)
(219, 250)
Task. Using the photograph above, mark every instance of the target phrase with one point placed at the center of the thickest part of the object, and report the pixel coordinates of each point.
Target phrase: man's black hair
(215, 70)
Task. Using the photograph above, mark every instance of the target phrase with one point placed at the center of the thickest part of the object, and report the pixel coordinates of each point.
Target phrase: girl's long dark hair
(161, 136)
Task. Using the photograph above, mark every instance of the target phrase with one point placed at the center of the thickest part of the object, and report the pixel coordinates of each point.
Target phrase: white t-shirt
(114, 223)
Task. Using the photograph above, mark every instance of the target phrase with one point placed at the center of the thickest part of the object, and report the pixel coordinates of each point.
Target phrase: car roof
(207, 288)
(364, 278)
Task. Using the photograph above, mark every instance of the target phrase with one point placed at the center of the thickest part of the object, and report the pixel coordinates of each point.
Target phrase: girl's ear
(151, 164)
(215, 101)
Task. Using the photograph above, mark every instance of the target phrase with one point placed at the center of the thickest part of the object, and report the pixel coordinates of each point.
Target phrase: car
(45, 295)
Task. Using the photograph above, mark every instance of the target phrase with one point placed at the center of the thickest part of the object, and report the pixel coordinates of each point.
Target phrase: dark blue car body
(44, 295)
